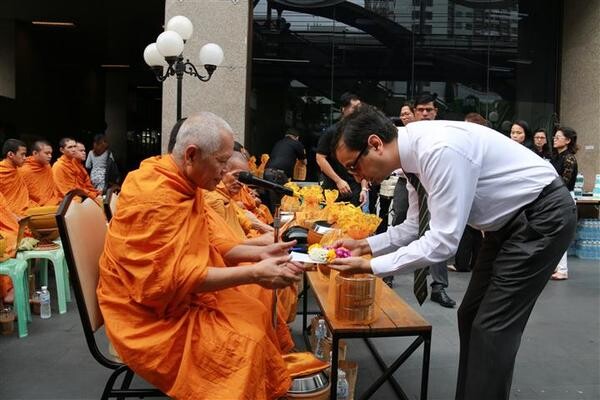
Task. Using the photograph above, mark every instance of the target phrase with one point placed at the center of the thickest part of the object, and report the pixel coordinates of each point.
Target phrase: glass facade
(497, 58)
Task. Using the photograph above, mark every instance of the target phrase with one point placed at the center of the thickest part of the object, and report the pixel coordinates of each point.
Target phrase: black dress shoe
(442, 298)
(389, 280)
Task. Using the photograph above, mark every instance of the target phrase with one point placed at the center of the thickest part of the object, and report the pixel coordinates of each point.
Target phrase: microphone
(249, 179)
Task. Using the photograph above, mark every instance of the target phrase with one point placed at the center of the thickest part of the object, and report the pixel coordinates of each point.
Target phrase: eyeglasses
(423, 109)
(352, 168)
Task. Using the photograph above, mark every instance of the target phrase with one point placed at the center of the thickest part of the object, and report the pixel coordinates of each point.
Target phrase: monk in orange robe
(13, 186)
(238, 219)
(9, 229)
(69, 173)
(173, 311)
(252, 203)
(37, 174)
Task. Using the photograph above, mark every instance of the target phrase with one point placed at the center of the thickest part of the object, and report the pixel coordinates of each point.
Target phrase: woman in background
(540, 144)
(565, 163)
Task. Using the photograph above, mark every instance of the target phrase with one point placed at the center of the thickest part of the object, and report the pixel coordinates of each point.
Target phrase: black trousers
(513, 266)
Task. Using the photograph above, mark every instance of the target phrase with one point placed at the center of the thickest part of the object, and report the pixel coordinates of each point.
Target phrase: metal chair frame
(118, 368)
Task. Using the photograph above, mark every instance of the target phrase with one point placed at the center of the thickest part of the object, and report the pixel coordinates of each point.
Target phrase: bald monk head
(68, 147)
(202, 148)
(236, 164)
(41, 151)
(14, 151)
(80, 153)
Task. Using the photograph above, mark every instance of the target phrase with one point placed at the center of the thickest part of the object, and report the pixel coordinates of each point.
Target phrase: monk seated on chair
(244, 223)
(69, 173)
(9, 230)
(173, 312)
(13, 186)
(37, 174)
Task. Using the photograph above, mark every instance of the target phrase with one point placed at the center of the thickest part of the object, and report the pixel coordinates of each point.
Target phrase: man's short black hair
(362, 123)
(63, 142)
(347, 97)
(11, 145)
(39, 144)
(425, 98)
(99, 138)
(173, 137)
(292, 132)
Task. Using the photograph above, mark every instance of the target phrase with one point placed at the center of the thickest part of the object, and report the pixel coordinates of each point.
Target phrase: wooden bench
(396, 318)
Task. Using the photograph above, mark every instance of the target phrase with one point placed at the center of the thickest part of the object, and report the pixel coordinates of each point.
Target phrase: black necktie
(420, 282)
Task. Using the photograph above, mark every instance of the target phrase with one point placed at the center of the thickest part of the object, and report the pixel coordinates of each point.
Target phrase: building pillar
(580, 82)
(7, 60)
(115, 112)
(226, 23)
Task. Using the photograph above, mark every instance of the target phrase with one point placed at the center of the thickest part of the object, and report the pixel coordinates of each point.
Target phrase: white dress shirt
(472, 174)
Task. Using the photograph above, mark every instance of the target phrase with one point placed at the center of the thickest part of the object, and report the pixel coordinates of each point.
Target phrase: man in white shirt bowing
(461, 173)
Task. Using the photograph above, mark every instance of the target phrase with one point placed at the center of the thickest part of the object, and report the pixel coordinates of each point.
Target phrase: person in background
(540, 144)
(407, 113)
(12, 184)
(80, 155)
(565, 163)
(400, 198)
(280, 167)
(476, 118)
(334, 175)
(37, 174)
(520, 133)
(101, 164)
(69, 172)
(426, 110)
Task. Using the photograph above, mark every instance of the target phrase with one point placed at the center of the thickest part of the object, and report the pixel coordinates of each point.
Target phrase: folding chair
(82, 227)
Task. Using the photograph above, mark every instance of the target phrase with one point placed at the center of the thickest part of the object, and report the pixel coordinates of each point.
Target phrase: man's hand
(277, 249)
(363, 197)
(343, 187)
(352, 265)
(276, 273)
(357, 247)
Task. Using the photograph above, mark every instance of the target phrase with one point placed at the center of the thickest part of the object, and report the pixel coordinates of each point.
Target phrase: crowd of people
(190, 261)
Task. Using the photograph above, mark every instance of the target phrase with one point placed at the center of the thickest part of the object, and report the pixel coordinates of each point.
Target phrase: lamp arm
(190, 69)
(158, 72)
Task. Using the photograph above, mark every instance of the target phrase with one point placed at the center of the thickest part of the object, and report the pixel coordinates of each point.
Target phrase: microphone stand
(276, 225)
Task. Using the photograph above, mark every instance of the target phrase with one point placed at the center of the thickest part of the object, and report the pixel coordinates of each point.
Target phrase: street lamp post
(167, 52)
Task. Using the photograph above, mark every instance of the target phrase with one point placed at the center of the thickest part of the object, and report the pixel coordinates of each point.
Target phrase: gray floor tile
(559, 358)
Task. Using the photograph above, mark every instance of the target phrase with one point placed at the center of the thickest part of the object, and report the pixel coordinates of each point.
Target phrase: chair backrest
(82, 227)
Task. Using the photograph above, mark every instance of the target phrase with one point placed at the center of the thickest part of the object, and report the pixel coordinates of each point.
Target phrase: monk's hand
(264, 240)
(277, 272)
(277, 249)
(352, 265)
(357, 247)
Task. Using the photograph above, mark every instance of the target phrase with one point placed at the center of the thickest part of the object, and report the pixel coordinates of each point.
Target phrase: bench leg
(388, 371)
(335, 344)
(425, 372)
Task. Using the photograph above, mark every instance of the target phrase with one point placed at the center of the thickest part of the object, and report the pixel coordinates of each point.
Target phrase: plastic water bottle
(343, 389)
(320, 334)
(45, 311)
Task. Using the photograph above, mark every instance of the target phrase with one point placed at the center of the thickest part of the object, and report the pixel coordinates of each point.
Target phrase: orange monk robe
(220, 200)
(40, 182)
(211, 345)
(247, 199)
(9, 229)
(14, 189)
(70, 174)
(224, 239)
